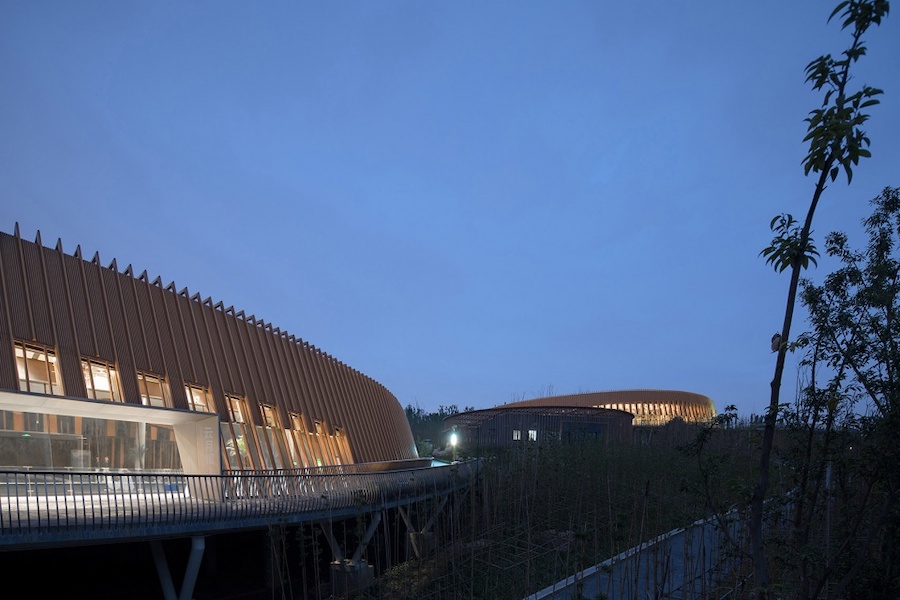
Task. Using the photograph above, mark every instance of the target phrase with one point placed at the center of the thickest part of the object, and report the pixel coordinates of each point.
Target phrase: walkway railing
(50, 508)
(688, 563)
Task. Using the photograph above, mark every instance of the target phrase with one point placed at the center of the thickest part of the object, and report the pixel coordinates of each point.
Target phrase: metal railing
(686, 563)
(53, 507)
(370, 467)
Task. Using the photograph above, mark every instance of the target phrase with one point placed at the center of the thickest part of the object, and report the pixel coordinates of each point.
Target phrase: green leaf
(838, 9)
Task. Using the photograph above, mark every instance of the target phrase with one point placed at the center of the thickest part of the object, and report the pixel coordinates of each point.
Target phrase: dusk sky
(470, 202)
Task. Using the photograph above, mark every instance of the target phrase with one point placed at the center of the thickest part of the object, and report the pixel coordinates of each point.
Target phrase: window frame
(238, 427)
(144, 390)
(53, 381)
(115, 382)
(190, 388)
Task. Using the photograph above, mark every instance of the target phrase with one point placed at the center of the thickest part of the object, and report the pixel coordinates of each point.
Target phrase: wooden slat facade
(649, 407)
(81, 310)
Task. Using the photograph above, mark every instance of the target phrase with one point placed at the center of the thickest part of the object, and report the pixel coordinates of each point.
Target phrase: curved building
(102, 368)
(507, 425)
(649, 407)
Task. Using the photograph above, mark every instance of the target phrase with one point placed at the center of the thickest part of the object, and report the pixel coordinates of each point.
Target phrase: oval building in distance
(649, 407)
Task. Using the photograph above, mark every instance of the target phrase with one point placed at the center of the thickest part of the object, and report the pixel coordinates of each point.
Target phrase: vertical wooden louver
(84, 310)
(650, 407)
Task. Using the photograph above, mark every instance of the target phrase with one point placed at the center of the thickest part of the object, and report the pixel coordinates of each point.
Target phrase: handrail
(65, 506)
(370, 467)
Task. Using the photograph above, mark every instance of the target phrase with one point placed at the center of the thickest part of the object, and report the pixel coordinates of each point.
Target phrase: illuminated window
(324, 444)
(101, 381)
(235, 409)
(299, 443)
(343, 446)
(271, 437)
(198, 398)
(270, 417)
(532, 435)
(239, 446)
(37, 370)
(153, 390)
(517, 435)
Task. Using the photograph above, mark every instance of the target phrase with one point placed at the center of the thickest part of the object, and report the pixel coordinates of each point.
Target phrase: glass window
(532, 435)
(34, 421)
(101, 381)
(322, 438)
(272, 436)
(236, 452)
(235, 409)
(270, 417)
(298, 440)
(310, 440)
(153, 390)
(37, 370)
(198, 398)
(65, 424)
(343, 445)
(517, 435)
(240, 447)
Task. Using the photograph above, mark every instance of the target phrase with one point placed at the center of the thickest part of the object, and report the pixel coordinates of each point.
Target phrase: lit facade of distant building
(107, 368)
(649, 407)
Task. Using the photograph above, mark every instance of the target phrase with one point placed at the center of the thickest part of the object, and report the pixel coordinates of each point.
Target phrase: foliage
(834, 131)
(855, 313)
(842, 454)
(837, 141)
(786, 247)
(428, 428)
(540, 513)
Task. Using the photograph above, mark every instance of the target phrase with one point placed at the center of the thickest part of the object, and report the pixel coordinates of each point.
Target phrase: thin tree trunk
(757, 545)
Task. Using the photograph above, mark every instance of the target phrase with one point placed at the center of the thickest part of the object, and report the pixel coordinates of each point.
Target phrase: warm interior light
(101, 378)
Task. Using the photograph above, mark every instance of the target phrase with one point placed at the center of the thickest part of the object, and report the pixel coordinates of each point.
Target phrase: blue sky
(471, 202)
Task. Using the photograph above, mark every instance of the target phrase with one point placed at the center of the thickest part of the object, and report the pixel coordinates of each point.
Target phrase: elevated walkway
(45, 509)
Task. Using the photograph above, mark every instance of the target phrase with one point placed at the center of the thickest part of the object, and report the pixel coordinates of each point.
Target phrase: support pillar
(198, 544)
(348, 578)
(422, 540)
(353, 574)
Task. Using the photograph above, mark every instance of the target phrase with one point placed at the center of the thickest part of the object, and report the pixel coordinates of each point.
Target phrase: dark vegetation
(842, 537)
(831, 522)
(837, 141)
(428, 428)
(540, 513)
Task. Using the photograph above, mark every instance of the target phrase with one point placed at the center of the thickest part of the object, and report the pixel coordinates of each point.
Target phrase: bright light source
(453, 439)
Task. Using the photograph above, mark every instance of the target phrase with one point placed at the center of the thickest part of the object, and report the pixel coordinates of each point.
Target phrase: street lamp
(453, 440)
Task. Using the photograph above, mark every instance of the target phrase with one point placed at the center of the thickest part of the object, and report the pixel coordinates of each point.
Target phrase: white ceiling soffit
(97, 409)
